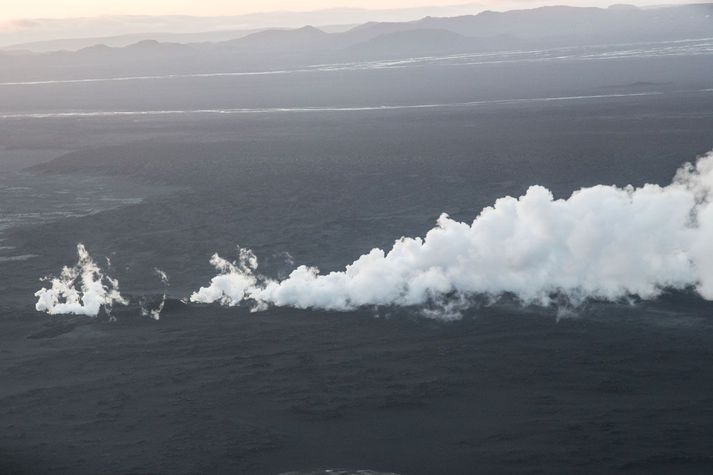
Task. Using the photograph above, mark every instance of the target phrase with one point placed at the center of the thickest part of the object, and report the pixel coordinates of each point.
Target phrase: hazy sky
(15, 9)
(47, 9)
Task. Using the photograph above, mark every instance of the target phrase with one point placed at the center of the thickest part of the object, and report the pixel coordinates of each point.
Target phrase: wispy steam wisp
(602, 242)
(155, 313)
(80, 290)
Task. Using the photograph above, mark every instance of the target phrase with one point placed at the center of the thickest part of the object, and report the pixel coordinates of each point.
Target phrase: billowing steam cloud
(602, 242)
(235, 282)
(80, 290)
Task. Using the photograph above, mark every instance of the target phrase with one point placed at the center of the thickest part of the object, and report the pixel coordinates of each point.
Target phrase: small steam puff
(96, 290)
(155, 313)
(602, 242)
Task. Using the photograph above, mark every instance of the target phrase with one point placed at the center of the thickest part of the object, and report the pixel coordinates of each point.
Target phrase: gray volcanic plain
(322, 165)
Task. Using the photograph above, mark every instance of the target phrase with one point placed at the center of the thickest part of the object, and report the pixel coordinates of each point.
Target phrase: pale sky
(16, 9)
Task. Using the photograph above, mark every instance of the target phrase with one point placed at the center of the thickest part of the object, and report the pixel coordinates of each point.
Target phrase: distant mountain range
(43, 35)
(487, 31)
(581, 24)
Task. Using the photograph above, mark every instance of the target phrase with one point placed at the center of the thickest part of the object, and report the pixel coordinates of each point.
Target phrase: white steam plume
(79, 290)
(234, 283)
(155, 313)
(161, 275)
(602, 242)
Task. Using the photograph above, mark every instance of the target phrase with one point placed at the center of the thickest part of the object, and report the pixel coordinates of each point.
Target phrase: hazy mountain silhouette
(430, 42)
(268, 41)
(618, 23)
(544, 26)
(44, 35)
(275, 48)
